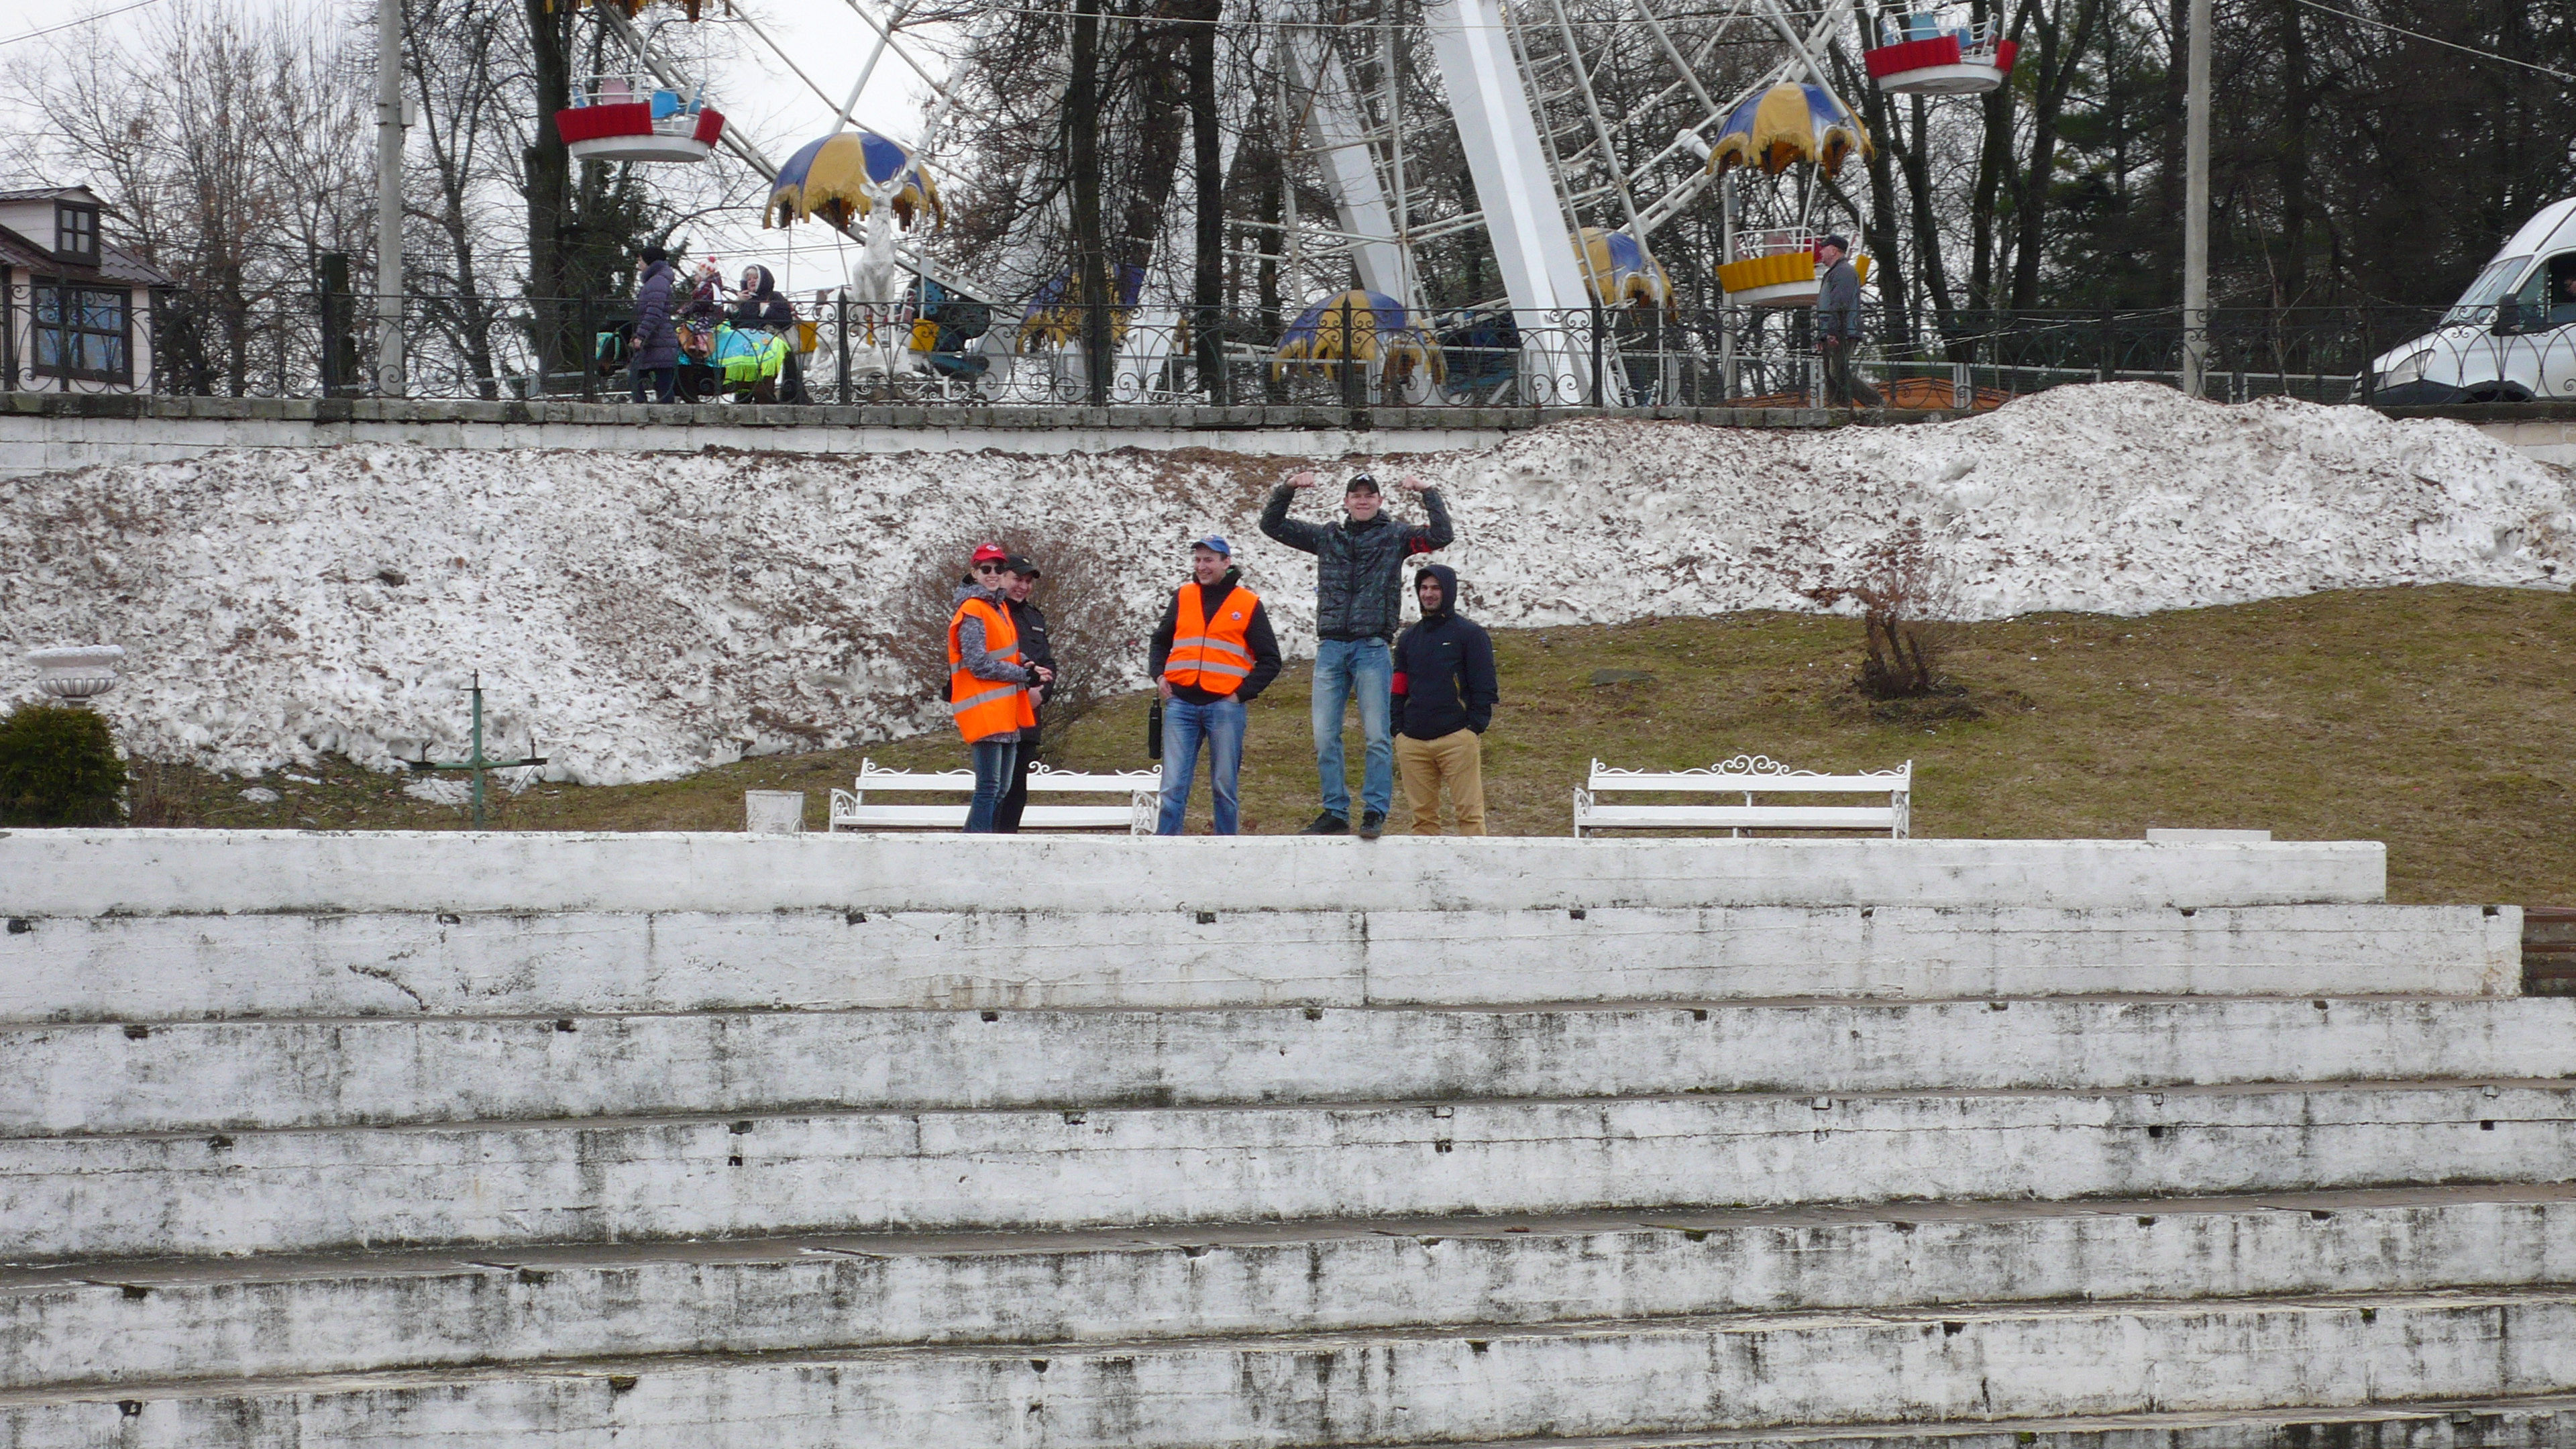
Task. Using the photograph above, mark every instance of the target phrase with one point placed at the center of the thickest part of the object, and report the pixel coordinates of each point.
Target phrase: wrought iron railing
(970, 353)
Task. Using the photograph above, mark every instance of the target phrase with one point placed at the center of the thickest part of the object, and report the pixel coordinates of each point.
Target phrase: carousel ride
(1592, 141)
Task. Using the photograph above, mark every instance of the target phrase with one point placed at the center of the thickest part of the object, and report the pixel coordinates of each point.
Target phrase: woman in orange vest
(1211, 654)
(992, 694)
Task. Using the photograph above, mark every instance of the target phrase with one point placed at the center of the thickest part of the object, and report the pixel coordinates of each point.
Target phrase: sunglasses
(988, 568)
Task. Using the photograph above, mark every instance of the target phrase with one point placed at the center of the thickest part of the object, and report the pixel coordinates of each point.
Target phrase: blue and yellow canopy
(839, 177)
(1359, 326)
(1617, 270)
(1785, 124)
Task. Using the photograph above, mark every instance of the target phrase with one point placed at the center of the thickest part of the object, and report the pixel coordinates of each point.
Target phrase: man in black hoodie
(1444, 698)
(1210, 656)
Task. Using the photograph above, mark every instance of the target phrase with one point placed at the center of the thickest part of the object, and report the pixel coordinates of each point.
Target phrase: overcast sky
(760, 95)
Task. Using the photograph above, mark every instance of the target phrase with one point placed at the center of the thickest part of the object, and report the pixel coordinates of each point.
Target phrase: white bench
(1752, 775)
(853, 810)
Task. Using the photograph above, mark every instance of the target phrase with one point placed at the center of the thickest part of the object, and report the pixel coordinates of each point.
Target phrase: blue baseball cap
(1213, 544)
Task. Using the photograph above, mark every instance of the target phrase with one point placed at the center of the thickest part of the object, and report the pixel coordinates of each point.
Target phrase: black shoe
(1328, 823)
(1372, 825)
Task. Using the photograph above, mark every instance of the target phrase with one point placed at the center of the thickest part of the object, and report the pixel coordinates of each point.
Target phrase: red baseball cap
(992, 553)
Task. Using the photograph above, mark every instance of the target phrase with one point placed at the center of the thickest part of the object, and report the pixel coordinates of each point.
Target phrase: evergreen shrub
(58, 766)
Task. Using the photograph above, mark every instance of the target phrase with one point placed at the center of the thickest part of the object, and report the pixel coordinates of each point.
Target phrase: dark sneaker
(1373, 825)
(1328, 823)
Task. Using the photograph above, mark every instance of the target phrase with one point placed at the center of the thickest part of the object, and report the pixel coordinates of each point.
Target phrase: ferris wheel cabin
(639, 118)
(1930, 53)
(1776, 267)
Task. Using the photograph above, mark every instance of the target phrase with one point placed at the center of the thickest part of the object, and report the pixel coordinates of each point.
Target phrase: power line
(2437, 40)
(75, 24)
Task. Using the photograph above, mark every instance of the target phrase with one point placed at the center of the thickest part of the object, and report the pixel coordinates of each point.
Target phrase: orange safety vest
(1211, 653)
(986, 706)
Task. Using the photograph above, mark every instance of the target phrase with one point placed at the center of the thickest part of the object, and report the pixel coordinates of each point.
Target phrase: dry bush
(1088, 622)
(157, 797)
(1901, 598)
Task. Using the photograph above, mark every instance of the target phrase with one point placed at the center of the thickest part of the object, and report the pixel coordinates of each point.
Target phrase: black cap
(1360, 483)
(650, 255)
(1838, 242)
(1020, 565)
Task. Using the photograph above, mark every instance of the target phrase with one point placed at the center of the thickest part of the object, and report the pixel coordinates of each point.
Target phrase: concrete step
(131, 1322)
(1960, 1364)
(234, 1075)
(155, 872)
(2545, 1421)
(629, 1180)
(1419, 952)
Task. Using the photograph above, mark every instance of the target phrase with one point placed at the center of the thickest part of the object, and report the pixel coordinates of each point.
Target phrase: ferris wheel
(1589, 128)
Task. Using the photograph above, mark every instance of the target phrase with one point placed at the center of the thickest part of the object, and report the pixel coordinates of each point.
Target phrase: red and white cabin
(1924, 54)
(639, 118)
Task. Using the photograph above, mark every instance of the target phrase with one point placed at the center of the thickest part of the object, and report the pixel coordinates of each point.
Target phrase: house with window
(75, 310)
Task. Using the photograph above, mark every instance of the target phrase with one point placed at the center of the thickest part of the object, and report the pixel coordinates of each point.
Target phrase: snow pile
(648, 614)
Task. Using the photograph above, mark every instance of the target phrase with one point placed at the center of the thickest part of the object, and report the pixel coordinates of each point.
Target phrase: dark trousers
(663, 379)
(995, 765)
(1842, 390)
(1006, 815)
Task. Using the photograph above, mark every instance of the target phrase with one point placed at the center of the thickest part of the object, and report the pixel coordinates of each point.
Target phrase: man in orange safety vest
(1210, 656)
(992, 691)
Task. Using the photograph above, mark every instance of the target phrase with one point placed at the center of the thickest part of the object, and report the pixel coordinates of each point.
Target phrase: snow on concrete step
(150, 872)
(1506, 1382)
(620, 1180)
(106, 1323)
(231, 1075)
(1108, 954)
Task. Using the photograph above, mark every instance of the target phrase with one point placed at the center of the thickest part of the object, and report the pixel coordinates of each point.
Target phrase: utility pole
(389, 203)
(2195, 205)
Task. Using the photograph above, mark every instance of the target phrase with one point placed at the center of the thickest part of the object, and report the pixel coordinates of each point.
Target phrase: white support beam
(1340, 132)
(1532, 244)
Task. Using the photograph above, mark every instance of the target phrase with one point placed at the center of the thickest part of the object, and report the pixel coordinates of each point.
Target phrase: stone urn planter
(77, 673)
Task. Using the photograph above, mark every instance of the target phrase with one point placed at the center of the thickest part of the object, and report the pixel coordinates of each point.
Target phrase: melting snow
(644, 615)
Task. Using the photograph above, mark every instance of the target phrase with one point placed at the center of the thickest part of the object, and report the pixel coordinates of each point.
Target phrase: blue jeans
(1184, 726)
(1362, 669)
(995, 765)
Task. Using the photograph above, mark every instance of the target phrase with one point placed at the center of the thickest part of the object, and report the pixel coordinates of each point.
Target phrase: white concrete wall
(98, 872)
(607, 1181)
(136, 1323)
(159, 968)
(228, 1076)
(1983, 1364)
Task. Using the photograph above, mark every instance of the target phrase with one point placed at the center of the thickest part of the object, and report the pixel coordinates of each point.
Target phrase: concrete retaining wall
(145, 872)
(159, 968)
(229, 1076)
(623, 1181)
(139, 1323)
(1961, 1364)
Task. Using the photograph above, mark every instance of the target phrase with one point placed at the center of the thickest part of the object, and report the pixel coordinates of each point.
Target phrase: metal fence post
(1598, 391)
(1352, 396)
(841, 343)
(589, 351)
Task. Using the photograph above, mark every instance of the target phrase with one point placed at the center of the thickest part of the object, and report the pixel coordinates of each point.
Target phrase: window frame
(74, 220)
(66, 328)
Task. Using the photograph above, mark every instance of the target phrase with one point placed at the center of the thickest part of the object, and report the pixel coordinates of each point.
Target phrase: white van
(2512, 335)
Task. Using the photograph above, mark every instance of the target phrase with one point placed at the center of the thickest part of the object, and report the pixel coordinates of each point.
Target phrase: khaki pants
(1456, 759)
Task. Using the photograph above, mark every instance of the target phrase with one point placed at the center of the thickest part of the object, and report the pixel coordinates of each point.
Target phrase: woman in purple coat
(656, 357)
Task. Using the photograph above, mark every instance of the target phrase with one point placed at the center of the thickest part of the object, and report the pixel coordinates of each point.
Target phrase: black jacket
(1256, 636)
(1444, 670)
(1359, 567)
(1030, 621)
(762, 306)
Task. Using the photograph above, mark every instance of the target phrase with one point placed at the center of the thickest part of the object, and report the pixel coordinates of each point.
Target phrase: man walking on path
(1444, 698)
(1212, 655)
(1359, 580)
(655, 359)
(1838, 327)
(1021, 580)
(989, 684)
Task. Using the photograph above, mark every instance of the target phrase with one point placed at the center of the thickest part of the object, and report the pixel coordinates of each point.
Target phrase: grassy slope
(2437, 719)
